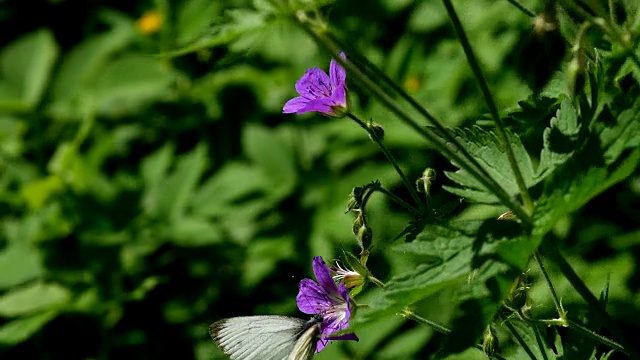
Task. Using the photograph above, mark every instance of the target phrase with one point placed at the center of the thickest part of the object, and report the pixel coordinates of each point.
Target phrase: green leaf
(537, 342)
(263, 255)
(167, 195)
(175, 190)
(189, 231)
(467, 260)
(155, 166)
(129, 81)
(33, 298)
(238, 22)
(560, 140)
(81, 67)
(216, 197)
(25, 68)
(273, 156)
(608, 156)
(21, 329)
(485, 147)
(19, 263)
(194, 17)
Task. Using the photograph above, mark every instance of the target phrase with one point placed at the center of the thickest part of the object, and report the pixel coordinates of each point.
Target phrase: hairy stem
(434, 325)
(493, 109)
(552, 253)
(374, 136)
(520, 340)
(554, 295)
(522, 8)
(399, 201)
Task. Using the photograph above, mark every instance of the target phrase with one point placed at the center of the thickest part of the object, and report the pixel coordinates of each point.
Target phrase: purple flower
(328, 300)
(321, 93)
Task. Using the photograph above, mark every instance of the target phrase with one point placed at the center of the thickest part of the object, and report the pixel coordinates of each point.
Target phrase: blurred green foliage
(150, 185)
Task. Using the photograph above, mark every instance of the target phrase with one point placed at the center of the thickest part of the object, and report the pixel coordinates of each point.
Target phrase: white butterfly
(267, 337)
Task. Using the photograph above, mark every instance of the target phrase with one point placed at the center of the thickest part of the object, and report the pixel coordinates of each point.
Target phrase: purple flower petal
(314, 84)
(312, 299)
(344, 293)
(337, 73)
(349, 336)
(319, 92)
(295, 105)
(323, 275)
(324, 106)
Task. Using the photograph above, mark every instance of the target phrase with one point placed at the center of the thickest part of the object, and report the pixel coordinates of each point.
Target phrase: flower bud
(576, 71)
(355, 199)
(423, 184)
(377, 131)
(355, 277)
(490, 343)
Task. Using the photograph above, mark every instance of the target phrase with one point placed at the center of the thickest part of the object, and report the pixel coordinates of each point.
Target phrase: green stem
(385, 150)
(539, 342)
(520, 340)
(438, 327)
(434, 325)
(554, 295)
(595, 336)
(608, 27)
(551, 251)
(399, 201)
(376, 281)
(493, 109)
(453, 155)
(522, 8)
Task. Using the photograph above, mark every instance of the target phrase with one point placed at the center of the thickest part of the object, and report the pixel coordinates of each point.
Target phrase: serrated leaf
(467, 260)
(21, 329)
(598, 165)
(25, 68)
(560, 139)
(33, 298)
(485, 147)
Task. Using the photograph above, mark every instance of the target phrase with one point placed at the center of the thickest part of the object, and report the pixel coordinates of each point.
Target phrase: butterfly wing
(258, 337)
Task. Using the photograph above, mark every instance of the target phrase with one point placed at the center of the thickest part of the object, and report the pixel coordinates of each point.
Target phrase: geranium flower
(319, 92)
(328, 300)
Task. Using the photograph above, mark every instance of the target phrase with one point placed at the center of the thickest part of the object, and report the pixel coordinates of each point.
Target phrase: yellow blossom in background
(412, 84)
(149, 22)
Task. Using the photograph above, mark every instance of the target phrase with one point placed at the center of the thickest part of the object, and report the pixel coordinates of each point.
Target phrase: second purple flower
(328, 300)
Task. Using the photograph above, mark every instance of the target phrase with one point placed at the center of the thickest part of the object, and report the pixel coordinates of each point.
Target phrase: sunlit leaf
(32, 298)
(25, 69)
(485, 147)
(21, 329)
